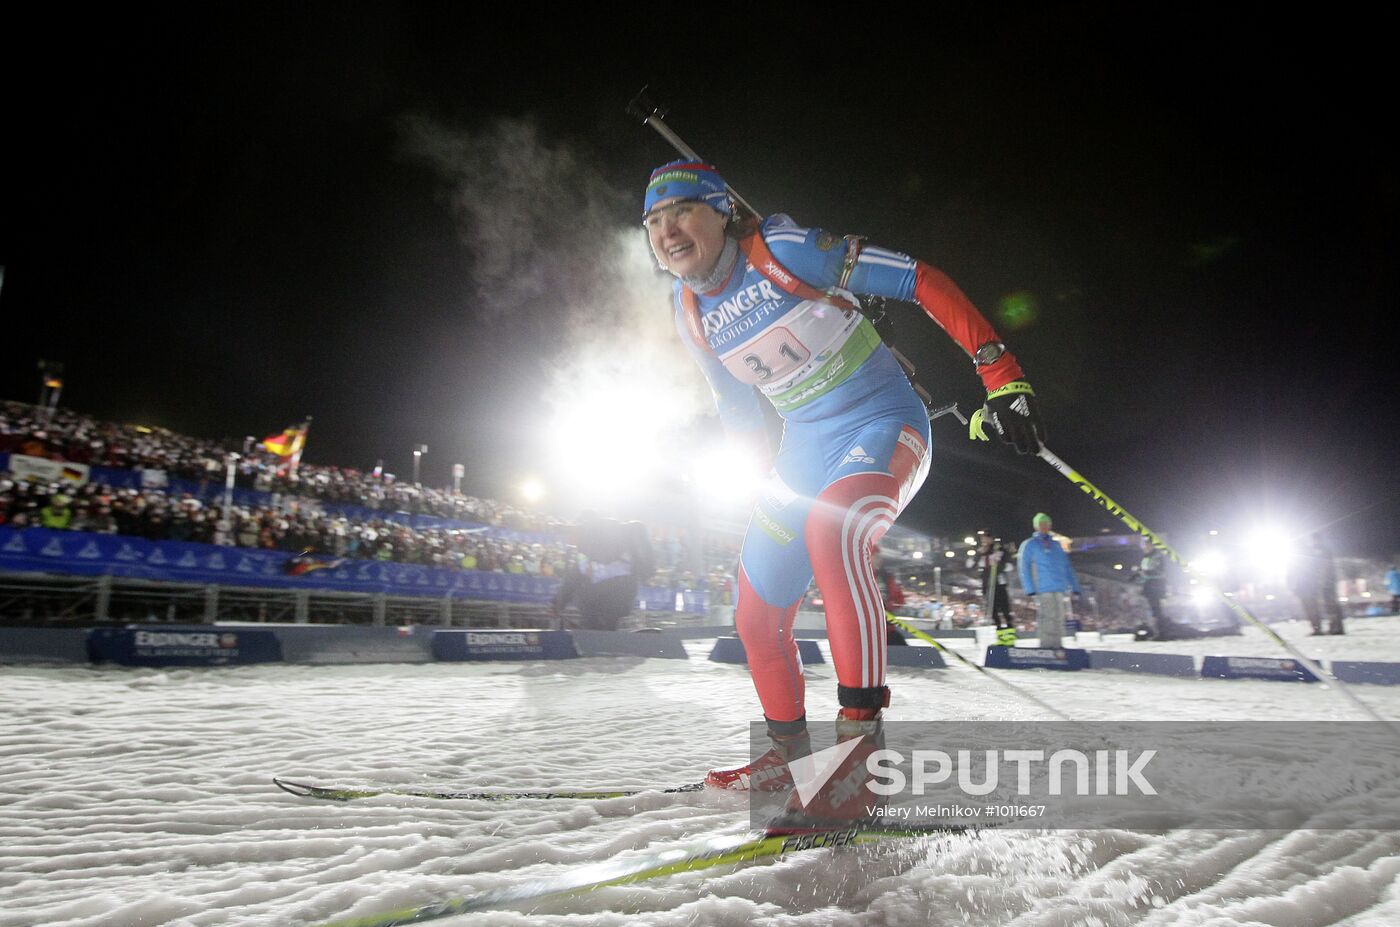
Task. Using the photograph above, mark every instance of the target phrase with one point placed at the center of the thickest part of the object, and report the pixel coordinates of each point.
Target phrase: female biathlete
(768, 304)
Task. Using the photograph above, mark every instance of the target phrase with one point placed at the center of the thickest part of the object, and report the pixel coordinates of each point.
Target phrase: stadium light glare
(1271, 551)
(950, 555)
(917, 555)
(1202, 597)
(532, 490)
(609, 437)
(728, 475)
(1211, 563)
(969, 540)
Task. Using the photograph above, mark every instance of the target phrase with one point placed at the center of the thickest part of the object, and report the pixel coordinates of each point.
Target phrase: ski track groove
(140, 798)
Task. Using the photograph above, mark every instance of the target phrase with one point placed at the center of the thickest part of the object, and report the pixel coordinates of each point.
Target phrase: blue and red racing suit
(855, 444)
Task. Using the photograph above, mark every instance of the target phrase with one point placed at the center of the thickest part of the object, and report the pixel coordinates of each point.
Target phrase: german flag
(305, 562)
(285, 444)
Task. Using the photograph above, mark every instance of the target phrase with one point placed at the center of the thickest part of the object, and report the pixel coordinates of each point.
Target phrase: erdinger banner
(1238, 775)
(190, 645)
(503, 645)
(1057, 658)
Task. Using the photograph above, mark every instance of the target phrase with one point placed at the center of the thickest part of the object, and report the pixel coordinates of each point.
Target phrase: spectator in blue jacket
(1392, 585)
(1047, 576)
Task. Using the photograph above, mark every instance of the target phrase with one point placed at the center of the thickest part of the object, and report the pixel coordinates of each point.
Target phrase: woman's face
(686, 236)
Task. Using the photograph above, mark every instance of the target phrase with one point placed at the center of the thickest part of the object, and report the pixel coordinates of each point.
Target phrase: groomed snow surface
(137, 797)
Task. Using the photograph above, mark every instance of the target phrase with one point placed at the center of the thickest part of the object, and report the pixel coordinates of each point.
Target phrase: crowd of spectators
(76, 438)
(296, 521)
(156, 515)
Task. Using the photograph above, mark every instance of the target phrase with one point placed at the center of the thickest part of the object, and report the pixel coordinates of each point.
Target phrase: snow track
(135, 798)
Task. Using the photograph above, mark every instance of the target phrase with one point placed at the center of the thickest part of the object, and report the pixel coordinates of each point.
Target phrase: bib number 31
(776, 354)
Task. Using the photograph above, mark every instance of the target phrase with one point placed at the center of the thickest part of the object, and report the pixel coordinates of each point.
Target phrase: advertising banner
(503, 645)
(1056, 658)
(187, 645)
(80, 553)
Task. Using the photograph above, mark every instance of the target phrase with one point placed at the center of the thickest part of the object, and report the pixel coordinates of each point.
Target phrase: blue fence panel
(1385, 674)
(731, 650)
(1160, 664)
(78, 553)
(672, 599)
(1036, 658)
(1256, 668)
(503, 645)
(173, 645)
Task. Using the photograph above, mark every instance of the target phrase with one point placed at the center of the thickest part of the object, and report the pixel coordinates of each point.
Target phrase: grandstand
(108, 522)
(100, 521)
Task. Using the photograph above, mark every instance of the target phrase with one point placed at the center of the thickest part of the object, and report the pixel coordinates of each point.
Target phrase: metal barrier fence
(54, 600)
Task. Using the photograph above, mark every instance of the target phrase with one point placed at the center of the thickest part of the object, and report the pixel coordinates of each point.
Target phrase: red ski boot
(768, 773)
(831, 799)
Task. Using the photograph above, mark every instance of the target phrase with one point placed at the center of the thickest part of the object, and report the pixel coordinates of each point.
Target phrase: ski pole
(650, 114)
(991, 588)
(928, 639)
(1113, 508)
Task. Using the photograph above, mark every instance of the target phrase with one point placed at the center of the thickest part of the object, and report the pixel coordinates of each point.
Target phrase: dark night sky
(214, 223)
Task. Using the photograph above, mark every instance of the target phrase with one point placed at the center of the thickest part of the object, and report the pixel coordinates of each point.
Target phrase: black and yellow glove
(1011, 410)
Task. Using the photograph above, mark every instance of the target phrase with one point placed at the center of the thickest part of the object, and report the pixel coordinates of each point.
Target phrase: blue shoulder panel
(818, 256)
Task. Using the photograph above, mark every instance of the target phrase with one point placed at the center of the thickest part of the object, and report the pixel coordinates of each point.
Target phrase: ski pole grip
(642, 108)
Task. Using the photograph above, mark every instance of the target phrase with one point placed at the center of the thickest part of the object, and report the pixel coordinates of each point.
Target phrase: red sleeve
(945, 303)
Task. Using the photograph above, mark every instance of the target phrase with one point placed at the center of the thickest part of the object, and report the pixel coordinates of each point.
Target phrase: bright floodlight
(608, 436)
(729, 475)
(532, 490)
(969, 540)
(1211, 563)
(1202, 596)
(917, 555)
(950, 555)
(1270, 551)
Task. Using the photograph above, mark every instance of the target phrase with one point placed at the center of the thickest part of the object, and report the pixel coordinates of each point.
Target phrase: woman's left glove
(1012, 411)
